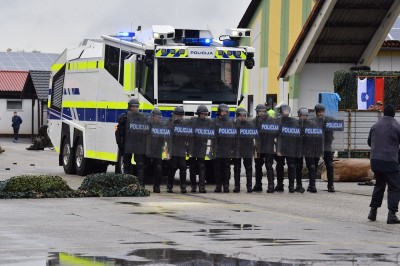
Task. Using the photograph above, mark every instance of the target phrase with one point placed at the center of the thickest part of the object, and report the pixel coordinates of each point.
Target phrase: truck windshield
(198, 80)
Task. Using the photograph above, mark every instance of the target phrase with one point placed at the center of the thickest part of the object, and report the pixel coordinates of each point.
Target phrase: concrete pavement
(243, 229)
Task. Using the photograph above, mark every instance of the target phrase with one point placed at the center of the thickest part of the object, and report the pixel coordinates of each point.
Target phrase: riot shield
(203, 134)
(289, 138)
(247, 133)
(181, 134)
(334, 133)
(137, 130)
(160, 134)
(268, 131)
(312, 137)
(223, 145)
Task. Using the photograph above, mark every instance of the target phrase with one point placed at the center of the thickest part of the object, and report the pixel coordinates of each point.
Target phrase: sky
(51, 26)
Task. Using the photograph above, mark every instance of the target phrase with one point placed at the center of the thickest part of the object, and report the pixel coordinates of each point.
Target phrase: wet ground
(190, 229)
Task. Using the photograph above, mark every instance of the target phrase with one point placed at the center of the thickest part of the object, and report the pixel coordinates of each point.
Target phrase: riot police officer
(155, 144)
(198, 147)
(267, 129)
(327, 146)
(132, 139)
(287, 147)
(244, 149)
(223, 147)
(311, 141)
(177, 148)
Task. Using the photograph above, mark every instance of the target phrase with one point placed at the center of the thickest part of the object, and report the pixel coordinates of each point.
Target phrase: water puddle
(129, 203)
(267, 241)
(162, 256)
(156, 256)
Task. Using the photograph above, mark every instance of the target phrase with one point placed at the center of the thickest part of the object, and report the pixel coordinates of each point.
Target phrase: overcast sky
(50, 26)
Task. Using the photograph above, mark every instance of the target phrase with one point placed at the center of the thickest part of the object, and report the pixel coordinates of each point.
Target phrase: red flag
(380, 90)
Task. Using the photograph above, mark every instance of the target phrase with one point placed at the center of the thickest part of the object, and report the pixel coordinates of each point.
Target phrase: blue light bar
(230, 43)
(197, 41)
(125, 34)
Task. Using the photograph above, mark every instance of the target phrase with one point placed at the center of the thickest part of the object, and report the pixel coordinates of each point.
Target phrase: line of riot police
(226, 141)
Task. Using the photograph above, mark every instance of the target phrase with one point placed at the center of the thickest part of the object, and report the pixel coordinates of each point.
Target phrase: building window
(14, 105)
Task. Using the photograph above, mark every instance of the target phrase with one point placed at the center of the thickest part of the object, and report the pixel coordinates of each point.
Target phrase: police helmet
(201, 109)
(261, 107)
(284, 109)
(133, 102)
(178, 111)
(241, 111)
(156, 112)
(223, 107)
(302, 111)
(319, 107)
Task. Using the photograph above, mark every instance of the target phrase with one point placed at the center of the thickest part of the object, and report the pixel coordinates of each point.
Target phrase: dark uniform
(244, 149)
(311, 146)
(267, 130)
(327, 145)
(159, 132)
(384, 140)
(287, 148)
(177, 149)
(128, 146)
(198, 147)
(223, 148)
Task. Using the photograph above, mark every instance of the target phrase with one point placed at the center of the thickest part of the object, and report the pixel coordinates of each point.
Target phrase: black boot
(193, 190)
(270, 178)
(279, 187)
(291, 185)
(392, 218)
(299, 188)
(249, 177)
(312, 189)
(372, 214)
(236, 189)
(257, 188)
(291, 176)
(331, 189)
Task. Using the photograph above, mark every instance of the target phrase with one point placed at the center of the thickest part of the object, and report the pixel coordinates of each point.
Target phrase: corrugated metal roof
(346, 34)
(13, 80)
(41, 81)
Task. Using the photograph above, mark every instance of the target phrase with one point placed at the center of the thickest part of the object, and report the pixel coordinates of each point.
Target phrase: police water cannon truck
(161, 66)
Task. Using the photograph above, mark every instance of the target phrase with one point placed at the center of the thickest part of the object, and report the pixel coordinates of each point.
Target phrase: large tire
(209, 165)
(84, 166)
(67, 157)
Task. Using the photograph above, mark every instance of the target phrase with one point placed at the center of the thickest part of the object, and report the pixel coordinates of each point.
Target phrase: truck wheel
(83, 165)
(210, 179)
(67, 155)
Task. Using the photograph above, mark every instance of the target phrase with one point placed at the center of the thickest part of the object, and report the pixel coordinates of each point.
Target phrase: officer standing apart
(177, 149)
(198, 147)
(16, 123)
(155, 144)
(267, 130)
(244, 149)
(328, 139)
(131, 136)
(222, 148)
(384, 140)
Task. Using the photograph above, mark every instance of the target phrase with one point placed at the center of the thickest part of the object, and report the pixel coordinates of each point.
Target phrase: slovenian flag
(369, 91)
